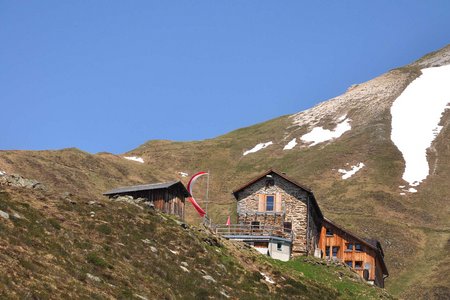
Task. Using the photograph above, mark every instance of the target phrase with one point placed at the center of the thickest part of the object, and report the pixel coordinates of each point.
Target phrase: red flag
(228, 221)
(200, 211)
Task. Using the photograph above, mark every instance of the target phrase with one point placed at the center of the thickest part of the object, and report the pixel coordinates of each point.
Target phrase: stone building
(278, 206)
(281, 218)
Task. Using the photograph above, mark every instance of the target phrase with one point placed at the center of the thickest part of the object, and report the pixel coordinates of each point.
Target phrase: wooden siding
(168, 200)
(366, 255)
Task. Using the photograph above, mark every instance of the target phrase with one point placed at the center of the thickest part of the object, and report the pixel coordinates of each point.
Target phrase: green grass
(60, 251)
(337, 278)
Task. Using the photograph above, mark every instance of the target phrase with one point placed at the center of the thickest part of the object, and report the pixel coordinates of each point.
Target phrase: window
(329, 232)
(358, 247)
(348, 247)
(255, 225)
(358, 264)
(327, 251)
(270, 199)
(270, 182)
(349, 263)
(335, 251)
(279, 245)
(260, 245)
(287, 226)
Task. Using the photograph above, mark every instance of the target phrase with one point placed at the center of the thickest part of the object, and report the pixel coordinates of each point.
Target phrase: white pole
(207, 193)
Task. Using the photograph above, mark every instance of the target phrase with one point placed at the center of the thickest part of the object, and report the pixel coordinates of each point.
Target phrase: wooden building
(279, 207)
(364, 256)
(168, 197)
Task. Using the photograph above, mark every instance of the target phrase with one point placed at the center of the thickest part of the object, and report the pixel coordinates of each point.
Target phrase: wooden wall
(170, 200)
(367, 255)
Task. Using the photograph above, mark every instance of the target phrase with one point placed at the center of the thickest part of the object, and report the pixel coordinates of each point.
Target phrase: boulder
(19, 181)
(4, 215)
(209, 278)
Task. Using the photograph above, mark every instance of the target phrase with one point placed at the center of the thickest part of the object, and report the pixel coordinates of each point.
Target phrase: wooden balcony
(247, 230)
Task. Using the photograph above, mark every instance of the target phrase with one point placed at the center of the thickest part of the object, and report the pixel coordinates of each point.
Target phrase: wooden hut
(365, 256)
(167, 197)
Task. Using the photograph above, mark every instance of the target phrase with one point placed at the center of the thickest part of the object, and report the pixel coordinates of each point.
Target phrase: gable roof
(371, 243)
(282, 175)
(148, 187)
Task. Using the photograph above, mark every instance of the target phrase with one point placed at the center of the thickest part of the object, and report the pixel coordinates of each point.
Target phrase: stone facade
(295, 207)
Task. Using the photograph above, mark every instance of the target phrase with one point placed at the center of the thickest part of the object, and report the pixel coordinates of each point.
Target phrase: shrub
(105, 229)
(54, 223)
(94, 259)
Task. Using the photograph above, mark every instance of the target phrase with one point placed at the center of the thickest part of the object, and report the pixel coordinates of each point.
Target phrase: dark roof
(282, 175)
(236, 191)
(371, 243)
(375, 243)
(147, 187)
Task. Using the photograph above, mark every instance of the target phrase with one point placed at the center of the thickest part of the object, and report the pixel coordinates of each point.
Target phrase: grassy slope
(414, 234)
(413, 229)
(409, 228)
(56, 249)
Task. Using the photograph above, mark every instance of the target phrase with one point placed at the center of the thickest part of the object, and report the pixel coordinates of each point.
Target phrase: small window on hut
(270, 201)
(260, 245)
(358, 264)
(287, 226)
(255, 224)
(349, 263)
(358, 247)
(348, 247)
(335, 251)
(327, 251)
(329, 232)
(279, 246)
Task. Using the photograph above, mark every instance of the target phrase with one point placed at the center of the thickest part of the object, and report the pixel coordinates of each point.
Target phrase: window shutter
(261, 203)
(278, 202)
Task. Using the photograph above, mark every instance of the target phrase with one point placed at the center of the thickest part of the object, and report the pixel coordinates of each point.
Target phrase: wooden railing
(252, 230)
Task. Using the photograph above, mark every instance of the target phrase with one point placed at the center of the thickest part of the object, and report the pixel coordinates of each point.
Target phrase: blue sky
(110, 75)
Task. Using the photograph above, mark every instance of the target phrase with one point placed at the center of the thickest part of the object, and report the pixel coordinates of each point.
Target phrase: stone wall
(294, 209)
(314, 230)
(275, 220)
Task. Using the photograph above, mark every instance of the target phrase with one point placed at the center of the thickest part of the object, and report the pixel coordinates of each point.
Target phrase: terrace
(245, 231)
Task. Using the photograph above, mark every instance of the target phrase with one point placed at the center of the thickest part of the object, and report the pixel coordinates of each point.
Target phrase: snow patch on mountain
(183, 174)
(412, 190)
(258, 147)
(352, 171)
(291, 144)
(319, 135)
(416, 114)
(135, 158)
(368, 98)
(2, 173)
(409, 190)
